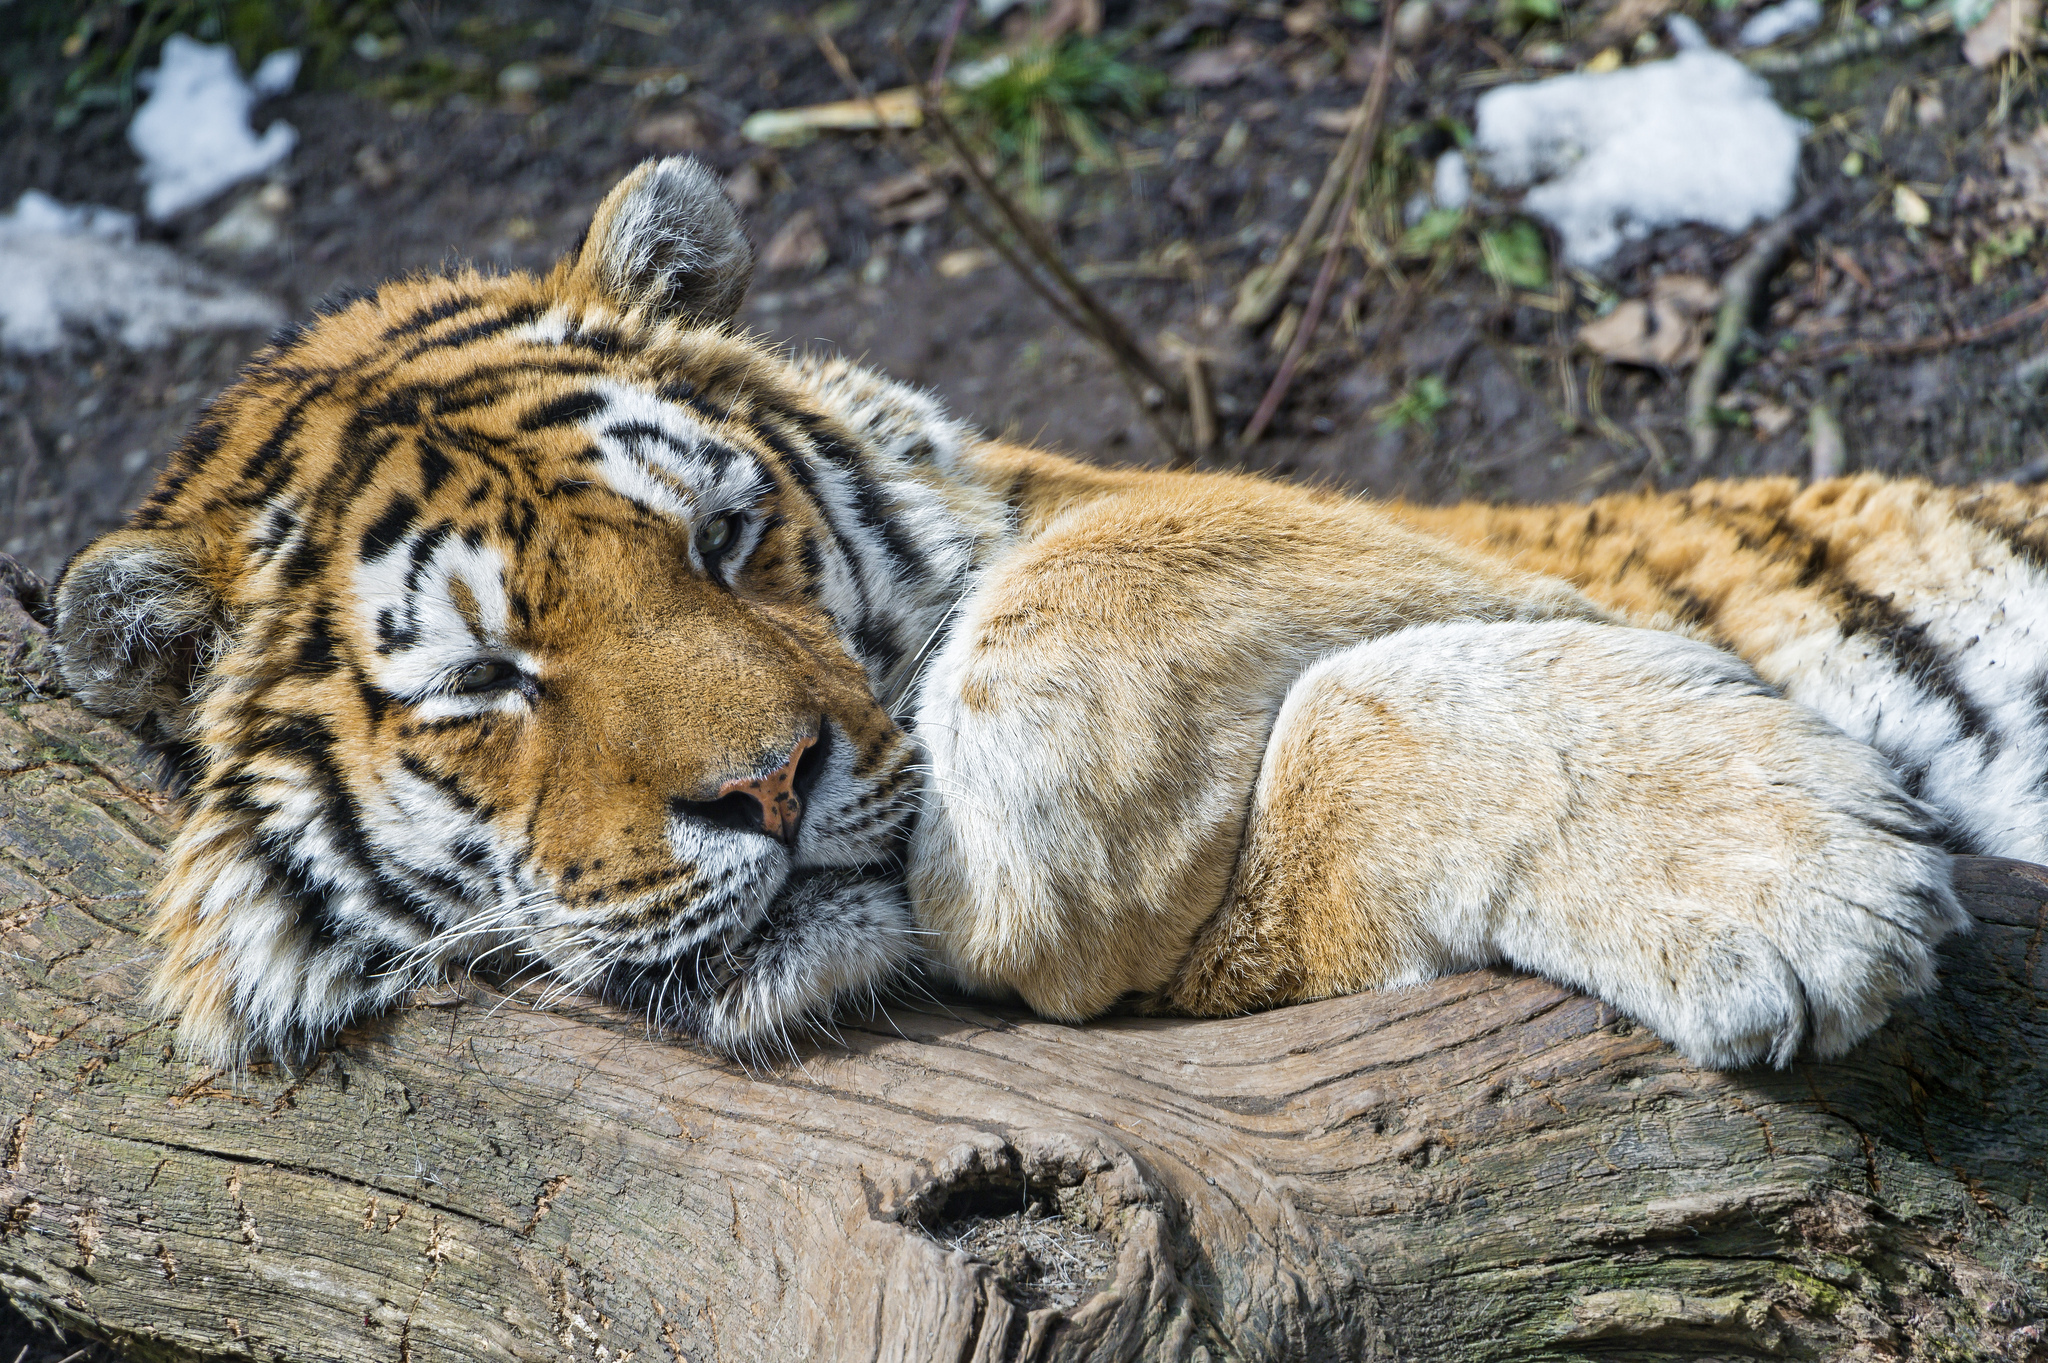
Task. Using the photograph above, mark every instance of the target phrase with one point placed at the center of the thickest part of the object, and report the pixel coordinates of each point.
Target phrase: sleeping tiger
(550, 620)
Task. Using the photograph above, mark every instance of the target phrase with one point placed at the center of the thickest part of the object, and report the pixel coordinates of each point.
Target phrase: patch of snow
(1451, 184)
(1615, 156)
(276, 73)
(1780, 21)
(193, 133)
(1686, 35)
(81, 269)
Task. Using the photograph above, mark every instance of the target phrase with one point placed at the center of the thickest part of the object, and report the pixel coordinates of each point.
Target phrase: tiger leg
(1627, 811)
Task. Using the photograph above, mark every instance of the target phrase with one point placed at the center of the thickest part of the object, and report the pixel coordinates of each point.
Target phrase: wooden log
(1487, 1167)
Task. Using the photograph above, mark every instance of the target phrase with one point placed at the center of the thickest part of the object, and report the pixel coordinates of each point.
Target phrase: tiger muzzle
(771, 803)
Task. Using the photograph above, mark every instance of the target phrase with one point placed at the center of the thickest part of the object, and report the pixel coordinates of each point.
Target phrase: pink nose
(775, 792)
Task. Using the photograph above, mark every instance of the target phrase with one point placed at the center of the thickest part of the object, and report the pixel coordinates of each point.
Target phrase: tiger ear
(136, 623)
(668, 239)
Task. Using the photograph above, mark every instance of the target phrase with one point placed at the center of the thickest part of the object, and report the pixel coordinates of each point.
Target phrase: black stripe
(475, 331)
(1859, 612)
(312, 742)
(426, 317)
(423, 550)
(316, 646)
(390, 527)
(2025, 534)
(307, 560)
(434, 467)
(281, 433)
(375, 699)
(449, 785)
(570, 409)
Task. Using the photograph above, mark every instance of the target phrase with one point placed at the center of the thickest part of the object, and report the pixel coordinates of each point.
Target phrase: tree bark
(1486, 1167)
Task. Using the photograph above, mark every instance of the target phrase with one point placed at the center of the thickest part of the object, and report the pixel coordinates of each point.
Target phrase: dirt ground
(416, 159)
(433, 132)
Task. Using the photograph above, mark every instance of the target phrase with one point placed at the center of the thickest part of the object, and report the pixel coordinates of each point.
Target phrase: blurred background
(1466, 344)
(1168, 146)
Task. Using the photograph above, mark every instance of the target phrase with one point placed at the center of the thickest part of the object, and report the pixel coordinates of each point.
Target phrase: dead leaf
(1853, 268)
(1663, 332)
(1214, 68)
(1359, 62)
(679, 131)
(2023, 194)
(1771, 417)
(376, 172)
(1071, 16)
(1307, 18)
(895, 189)
(1909, 208)
(744, 187)
(959, 264)
(1627, 18)
(2008, 28)
(906, 198)
(797, 245)
(1306, 73)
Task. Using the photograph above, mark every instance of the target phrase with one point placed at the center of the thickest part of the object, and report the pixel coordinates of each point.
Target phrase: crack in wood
(542, 1201)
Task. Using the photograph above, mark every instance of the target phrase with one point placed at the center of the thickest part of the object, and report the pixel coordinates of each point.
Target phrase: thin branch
(981, 228)
(938, 79)
(1365, 127)
(1907, 32)
(1927, 345)
(1107, 327)
(1739, 290)
(1078, 308)
(1258, 297)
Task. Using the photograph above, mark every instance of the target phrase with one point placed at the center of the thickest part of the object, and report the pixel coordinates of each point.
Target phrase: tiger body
(546, 617)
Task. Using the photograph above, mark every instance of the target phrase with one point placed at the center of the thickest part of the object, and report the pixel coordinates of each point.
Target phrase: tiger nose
(769, 803)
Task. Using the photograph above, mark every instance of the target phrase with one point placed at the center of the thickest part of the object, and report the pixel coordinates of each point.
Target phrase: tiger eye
(716, 533)
(482, 676)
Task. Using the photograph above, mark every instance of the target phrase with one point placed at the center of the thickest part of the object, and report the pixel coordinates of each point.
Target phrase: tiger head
(542, 617)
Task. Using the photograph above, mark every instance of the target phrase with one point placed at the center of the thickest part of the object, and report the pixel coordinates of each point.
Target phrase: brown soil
(380, 188)
(451, 172)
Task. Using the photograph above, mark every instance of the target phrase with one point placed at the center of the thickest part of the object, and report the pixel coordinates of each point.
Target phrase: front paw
(1627, 811)
(1800, 893)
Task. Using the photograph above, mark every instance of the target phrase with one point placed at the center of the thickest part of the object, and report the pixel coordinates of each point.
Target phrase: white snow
(1613, 157)
(1783, 20)
(1451, 183)
(193, 131)
(81, 269)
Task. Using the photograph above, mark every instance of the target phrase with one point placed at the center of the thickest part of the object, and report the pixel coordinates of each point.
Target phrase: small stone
(253, 226)
(520, 80)
(1413, 22)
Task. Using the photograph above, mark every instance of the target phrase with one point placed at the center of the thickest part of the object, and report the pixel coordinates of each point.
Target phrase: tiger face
(535, 616)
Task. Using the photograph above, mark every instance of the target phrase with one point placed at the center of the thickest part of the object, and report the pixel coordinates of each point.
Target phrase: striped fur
(1914, 618)
(462, 616)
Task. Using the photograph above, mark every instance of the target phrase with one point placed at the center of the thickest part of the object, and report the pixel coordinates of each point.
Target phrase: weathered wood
(1490, 1167)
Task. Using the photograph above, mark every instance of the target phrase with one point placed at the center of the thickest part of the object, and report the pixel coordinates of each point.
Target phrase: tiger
(551, 624)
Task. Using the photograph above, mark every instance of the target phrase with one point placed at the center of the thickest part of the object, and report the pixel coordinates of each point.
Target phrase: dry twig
(1739, 290)
(1907, 32)
(1069, 299)
(1928, 345)
(1258, 298)
(1358, 145)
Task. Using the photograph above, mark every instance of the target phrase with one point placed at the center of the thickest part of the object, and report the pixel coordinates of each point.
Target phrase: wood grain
(1488, 1167)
